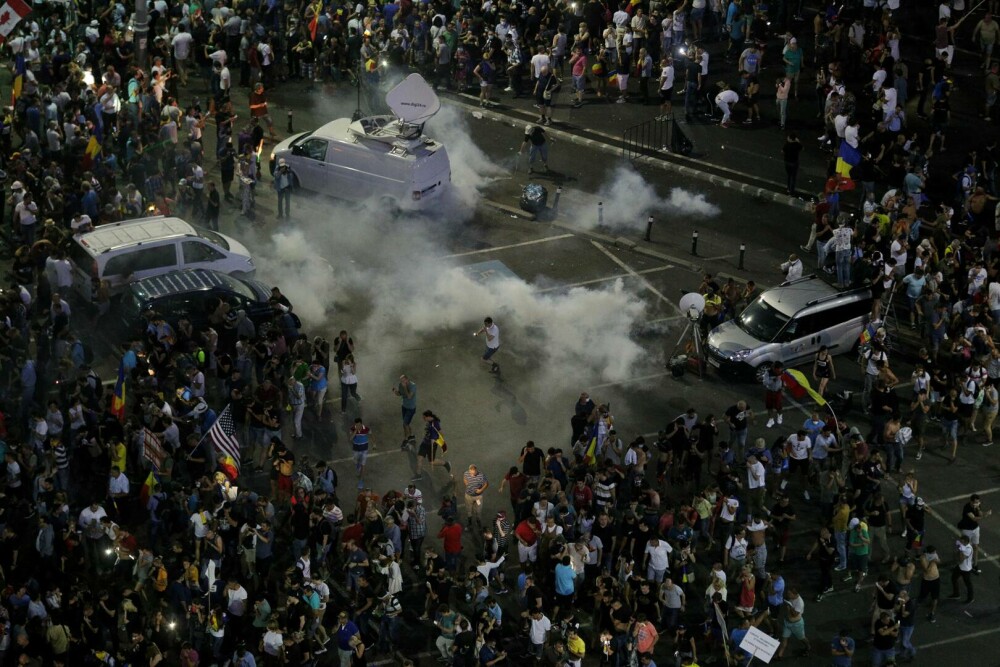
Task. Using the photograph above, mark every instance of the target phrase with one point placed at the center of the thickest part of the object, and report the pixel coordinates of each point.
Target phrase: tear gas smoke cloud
(383, 278)
(629, 199)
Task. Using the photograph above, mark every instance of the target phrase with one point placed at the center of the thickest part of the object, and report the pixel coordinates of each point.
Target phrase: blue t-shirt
(842, 660)
(344, 634)
(409, 403)
(914, 285)
(778, 597)
(565, 579)
(321, 383)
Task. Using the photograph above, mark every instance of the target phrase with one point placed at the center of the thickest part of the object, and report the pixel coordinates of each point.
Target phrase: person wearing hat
(284, 181)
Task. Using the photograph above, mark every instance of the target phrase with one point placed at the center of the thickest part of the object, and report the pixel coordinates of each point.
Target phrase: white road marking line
(484, 251)
(965, 496)
(983, 556)
(633, 273)
(594, 281)
(628, 380)
(960, 638)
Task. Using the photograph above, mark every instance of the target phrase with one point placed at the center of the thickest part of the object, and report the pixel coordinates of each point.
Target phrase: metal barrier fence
(654, 137)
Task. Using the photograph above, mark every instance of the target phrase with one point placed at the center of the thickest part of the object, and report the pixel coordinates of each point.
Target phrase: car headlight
(272, 156)
(741, 355)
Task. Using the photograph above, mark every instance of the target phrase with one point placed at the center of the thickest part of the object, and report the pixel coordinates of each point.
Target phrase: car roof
(335, 129)
(133, 233)
(177, 282)
(793, 296)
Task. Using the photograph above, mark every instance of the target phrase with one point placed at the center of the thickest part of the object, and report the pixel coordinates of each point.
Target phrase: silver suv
(789, 323)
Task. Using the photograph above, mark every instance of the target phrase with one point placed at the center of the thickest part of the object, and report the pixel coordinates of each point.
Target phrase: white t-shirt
(823, 443)
(964, 557)
(182, 45)
(756, 475)
(538, 61)
(799, 449)
(659, 556)
(237, 601)
(667, 78)
(539, 629)
(493, 336)
(729, 508)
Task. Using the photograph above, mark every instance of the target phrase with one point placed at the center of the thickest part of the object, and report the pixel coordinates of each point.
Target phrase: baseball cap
(854, 523)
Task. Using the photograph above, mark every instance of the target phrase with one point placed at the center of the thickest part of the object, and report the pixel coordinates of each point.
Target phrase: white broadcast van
(383, 157)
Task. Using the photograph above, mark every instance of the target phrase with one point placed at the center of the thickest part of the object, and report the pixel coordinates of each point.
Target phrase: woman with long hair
(432, 442)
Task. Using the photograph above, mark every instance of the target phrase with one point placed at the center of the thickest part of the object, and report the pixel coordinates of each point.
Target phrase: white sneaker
(823, 138)
(508, 89)
(770, 423)
(780, 418)
(806, 494)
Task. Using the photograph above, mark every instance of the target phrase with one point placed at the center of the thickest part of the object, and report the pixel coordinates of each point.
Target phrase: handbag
(440, 442)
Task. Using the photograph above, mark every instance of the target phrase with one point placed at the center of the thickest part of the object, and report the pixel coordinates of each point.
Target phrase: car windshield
(762, 321)
(302, 137)
(239, 287)
(214, 237)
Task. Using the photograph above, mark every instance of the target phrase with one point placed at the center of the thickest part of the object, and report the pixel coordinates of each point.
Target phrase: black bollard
(743, 252)
(649, 228)
(555, 202)
(600, 213)
(290, 121)
(694, 243)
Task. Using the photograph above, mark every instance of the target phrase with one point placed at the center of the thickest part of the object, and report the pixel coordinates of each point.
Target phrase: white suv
(126, 251)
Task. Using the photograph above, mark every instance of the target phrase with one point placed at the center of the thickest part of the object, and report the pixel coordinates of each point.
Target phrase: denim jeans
(841, 539)
(881, 656)
(782, 111)
(844, 267)
(690, 98)
(905, 634)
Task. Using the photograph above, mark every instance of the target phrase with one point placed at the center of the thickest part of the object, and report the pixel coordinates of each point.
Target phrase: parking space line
(634, 274)
(594, 281)
(483, 251)
(626, 381)
(959, 638)
(965, 496)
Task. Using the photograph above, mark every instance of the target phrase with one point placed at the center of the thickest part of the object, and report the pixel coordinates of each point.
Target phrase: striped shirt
(360, 438)
(474, 482)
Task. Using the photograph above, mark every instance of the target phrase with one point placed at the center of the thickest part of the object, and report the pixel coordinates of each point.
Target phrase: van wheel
(390, 204)
(759, 371)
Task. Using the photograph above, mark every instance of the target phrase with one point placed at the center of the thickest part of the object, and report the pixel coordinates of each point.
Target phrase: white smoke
(628, 199)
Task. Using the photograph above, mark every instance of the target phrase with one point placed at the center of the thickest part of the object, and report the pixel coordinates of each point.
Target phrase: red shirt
(517, 483)
(525, 531)
(582, 496)
(451, 535)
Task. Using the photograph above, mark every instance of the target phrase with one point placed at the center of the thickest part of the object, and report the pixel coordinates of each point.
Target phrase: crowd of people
(609, 551)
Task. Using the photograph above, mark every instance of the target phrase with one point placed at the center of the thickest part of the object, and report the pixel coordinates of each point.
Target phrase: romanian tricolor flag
(798, 386)
(148, 488)
(229, 466)
(314, 23)
(867, 333)
(118, 399)
(91, 152)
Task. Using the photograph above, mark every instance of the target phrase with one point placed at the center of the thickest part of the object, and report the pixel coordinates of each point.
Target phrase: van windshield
(762, 321)
(214, 237)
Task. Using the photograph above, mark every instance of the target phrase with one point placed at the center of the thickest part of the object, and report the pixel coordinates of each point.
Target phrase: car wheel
(389, 204)
(759, 371)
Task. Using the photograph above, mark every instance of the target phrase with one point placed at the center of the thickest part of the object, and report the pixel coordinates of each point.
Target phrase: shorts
(408, 414)
(489, 352)
(697, 13)
(360, 458)
(772, 400)
(798, 465)
(285, 483)
(485, 84)
(527, 554)
(966, 409)
(857, 562)
(426, 450)
(666, 95)
(795, 629)
(783, 537)
(973, 536)
(950, 428)
(930, 589)
(565, 601)
(579, 83)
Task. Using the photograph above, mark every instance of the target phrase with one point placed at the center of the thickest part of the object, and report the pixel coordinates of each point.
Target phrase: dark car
(193, 294)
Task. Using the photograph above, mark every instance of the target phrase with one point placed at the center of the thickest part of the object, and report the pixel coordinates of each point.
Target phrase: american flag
(223, 436)
(152, 449)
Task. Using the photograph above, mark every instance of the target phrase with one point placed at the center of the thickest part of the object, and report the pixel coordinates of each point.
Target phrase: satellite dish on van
(412, 100)
(692, 304)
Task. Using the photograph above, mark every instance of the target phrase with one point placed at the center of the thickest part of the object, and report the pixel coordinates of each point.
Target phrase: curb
(665, 163)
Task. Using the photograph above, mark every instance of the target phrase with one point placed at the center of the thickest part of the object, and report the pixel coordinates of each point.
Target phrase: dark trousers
(792, 172)
(957, 574)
